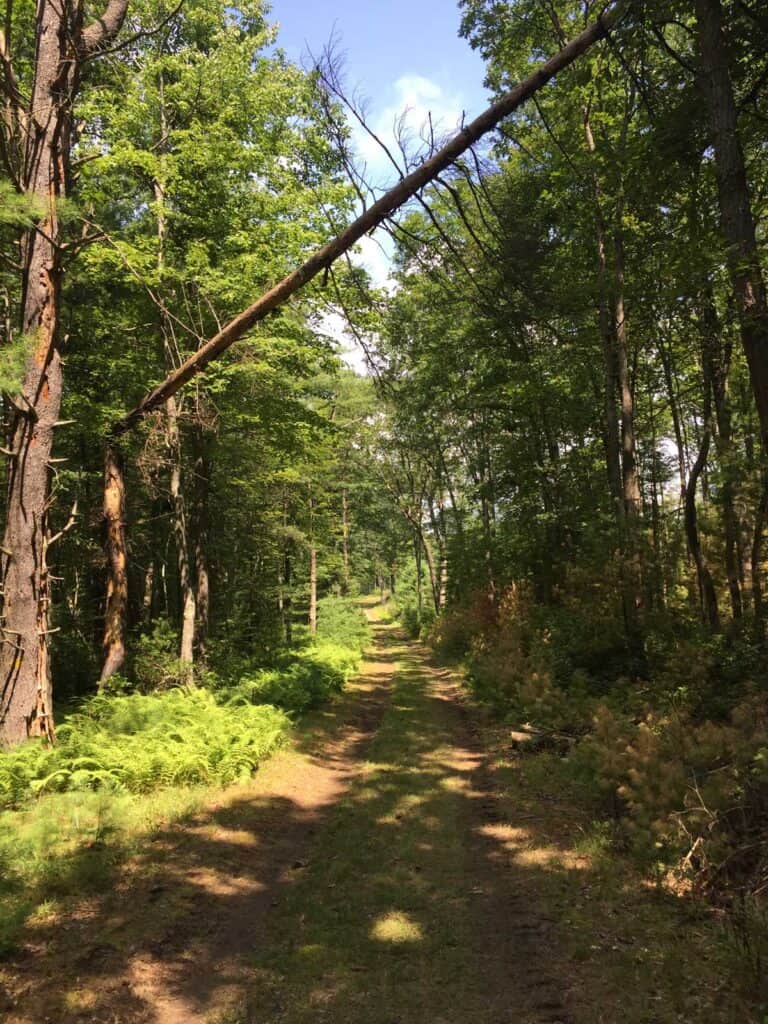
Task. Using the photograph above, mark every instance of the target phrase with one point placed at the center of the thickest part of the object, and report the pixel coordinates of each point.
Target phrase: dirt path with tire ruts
(374, 873)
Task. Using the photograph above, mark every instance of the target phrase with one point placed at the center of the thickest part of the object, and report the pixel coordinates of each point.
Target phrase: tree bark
(312, 571)
(201, 520)
(285, 580)
(26, 689)
(419, 596)
(707, 592)
(674, 408)
(716, 360)
(345, 587)
(620, 447)
(288, 599)
(630, 480)
(116, 613)
(180, 532)
(737, 218)
(313, 590)
(607, 336)
(758, 603)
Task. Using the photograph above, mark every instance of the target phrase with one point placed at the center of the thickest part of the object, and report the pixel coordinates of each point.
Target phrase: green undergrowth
(141, 742)
(644, 952)
(300, 681)
(670, 760)
(126, 761)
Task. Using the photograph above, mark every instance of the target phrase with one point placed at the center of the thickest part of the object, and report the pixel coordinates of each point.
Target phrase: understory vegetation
(127, 762)
(672, 766)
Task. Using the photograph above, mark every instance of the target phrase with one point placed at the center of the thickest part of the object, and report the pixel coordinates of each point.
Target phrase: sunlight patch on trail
(529, 852)
(397, 927)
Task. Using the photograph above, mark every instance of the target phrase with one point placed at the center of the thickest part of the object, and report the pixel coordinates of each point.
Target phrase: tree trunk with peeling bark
(40, 154)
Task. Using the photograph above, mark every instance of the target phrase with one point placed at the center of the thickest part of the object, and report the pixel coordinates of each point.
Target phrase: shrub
(693, 796)
(679, 758)
(417, 624)
(454, 633)
(308, 679)
(138, 743)
(340, 621)
(156, 664)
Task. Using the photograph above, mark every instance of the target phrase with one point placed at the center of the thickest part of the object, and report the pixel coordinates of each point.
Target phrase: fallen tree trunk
(323, 258)
(384, 207)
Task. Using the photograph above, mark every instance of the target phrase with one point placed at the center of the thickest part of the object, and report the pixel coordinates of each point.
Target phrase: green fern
(138, 743)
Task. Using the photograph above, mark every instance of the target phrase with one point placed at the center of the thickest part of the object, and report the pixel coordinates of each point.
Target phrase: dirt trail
(366, 876)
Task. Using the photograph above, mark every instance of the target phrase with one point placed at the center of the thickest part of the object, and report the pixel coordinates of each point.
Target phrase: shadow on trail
(382, 883)
(414, 910)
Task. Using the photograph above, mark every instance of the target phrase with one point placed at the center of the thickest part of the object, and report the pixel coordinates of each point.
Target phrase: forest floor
(397, 865)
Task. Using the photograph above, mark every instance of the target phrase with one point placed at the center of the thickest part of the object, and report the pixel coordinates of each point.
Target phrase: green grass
(386, 923)
(126, 765)
(69, 844)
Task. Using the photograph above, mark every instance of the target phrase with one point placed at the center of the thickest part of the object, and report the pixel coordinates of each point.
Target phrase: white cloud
(415, 101)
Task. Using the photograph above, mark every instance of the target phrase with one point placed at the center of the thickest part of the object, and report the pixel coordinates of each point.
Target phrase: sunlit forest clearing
(422, 685)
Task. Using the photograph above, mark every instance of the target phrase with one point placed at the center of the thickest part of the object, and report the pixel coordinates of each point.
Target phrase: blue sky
(386, 40)
(400, 55)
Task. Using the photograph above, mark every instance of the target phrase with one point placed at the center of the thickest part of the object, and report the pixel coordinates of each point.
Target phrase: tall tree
(36, 139)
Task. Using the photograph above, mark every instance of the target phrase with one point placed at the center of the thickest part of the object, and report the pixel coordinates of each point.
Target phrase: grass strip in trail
(457, 881)
(406, 912)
